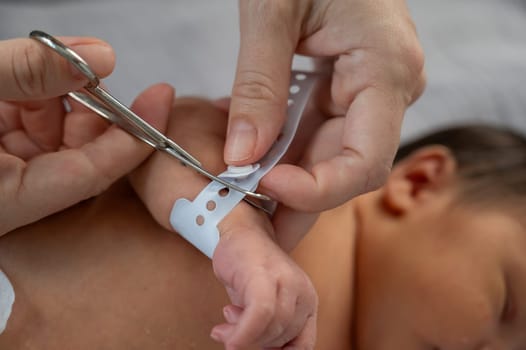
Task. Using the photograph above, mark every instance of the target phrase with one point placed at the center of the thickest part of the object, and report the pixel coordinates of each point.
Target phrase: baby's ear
(424, 173)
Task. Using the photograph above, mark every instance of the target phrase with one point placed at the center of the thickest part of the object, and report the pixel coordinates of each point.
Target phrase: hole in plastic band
(301, 76)
(294, 89)
(200, 220)
(210, 205)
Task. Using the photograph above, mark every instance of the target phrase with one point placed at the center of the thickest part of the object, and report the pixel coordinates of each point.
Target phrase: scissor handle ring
(70, 55)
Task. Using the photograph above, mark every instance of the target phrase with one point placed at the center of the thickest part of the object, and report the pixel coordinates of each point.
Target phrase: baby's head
(441, 259)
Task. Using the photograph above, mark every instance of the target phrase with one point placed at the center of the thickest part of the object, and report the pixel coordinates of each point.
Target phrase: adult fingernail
(241, 141)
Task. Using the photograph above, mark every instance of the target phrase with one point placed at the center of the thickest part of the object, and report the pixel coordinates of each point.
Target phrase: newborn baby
(432, 260)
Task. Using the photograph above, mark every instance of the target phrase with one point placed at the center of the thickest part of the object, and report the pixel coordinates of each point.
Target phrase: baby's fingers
(300, 332)
(260, 300)
(289, 320)
(307, 337)
(278, 318)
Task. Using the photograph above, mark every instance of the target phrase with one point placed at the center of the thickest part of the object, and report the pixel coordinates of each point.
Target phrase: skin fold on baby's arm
(273, 302)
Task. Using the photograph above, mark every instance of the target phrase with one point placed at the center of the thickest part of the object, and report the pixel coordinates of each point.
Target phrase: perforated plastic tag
(197, 220)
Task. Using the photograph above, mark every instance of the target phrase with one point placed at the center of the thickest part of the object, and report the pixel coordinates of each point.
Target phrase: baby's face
(453, 279)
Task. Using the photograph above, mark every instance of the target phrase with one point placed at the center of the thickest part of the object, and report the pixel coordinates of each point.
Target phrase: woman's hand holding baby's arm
(273, 301)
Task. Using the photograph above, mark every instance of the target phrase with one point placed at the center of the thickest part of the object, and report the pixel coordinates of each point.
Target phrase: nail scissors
(108, 107)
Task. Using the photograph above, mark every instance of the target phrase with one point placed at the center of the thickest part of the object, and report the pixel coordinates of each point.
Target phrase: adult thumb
(258, 106)
(30, 70)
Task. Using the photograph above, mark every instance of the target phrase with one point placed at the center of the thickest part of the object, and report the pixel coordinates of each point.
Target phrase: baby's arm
(273, 301)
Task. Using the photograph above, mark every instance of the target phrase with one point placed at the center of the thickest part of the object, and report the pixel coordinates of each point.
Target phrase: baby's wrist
(217, 214)
(245, 218)
(246, 239)
(184, 201)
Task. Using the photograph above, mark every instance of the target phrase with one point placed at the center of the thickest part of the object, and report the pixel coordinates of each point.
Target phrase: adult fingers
(269, 34)
(81, 125)
(54, 181)
(31, 70)
(81, 128)
(18, 144)
(43, 122)
(32, 127)
(29, 128)
(369, 139)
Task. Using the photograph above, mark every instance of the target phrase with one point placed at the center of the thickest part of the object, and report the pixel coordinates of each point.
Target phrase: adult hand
(51, 158)
(377, 71)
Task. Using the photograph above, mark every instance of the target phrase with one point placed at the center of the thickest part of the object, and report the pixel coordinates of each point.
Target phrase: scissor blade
(105, 113)
(138, 123)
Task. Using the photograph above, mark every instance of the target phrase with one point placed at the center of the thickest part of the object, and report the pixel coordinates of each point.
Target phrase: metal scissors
(108, 107)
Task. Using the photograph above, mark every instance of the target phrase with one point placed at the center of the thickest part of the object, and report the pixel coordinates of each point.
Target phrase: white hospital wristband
(197, 221)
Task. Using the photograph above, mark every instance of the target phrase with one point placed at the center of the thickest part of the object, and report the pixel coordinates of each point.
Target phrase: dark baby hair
(491, 160)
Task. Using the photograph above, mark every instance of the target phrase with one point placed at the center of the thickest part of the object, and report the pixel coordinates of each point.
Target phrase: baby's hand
(273, 301)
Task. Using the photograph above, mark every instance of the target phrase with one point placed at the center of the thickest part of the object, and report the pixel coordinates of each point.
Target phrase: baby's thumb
(30, 70)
